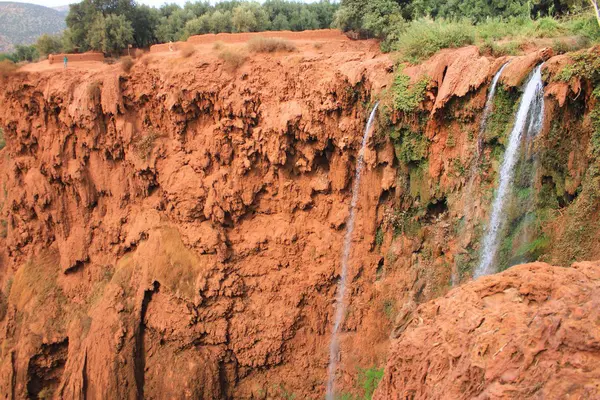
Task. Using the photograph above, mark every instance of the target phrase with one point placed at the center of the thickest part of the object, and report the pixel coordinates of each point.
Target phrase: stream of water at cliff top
(529, 120)
(340, 305)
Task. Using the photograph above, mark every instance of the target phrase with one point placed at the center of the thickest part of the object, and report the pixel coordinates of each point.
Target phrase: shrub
(94, 92)
(405, 97)
(187, 50)
(369, 380)
(218, 45)
(145, 145)
(232, 60)
(270, 45)
(424, 38)
(7, 67)
(126, 64)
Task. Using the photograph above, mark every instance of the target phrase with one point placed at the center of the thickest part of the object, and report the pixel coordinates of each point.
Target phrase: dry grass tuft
(218, 45)
(232, 60)
(7, 67)
(126, 64)
(146, 59)
(94, 92)
(270, 45)
(318, 45)
(145, 145)
(187, 50)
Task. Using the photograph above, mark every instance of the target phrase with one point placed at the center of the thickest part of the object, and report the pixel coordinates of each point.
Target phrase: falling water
(529, 118)
(489, 103)
(340, 305)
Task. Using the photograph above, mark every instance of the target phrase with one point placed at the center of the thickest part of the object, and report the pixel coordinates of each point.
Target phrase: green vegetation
(409, 146)
(420, 28)
(367, 382)
(405, 97)
(2, 140)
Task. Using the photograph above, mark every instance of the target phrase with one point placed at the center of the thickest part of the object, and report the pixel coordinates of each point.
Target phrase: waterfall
(489, 104)
(529, 118)
(340, 306)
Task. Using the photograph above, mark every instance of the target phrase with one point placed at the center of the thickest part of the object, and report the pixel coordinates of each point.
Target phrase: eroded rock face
(176, 231)
(530, 332)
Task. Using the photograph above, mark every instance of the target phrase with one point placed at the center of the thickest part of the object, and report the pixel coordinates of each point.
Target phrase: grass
(187, 50)
(218, 45)
(261, 44)
(126, 64)
(7, 67)
(2, 140)
(232, 60)
(422, 38)
(94, 92)
(144, 146)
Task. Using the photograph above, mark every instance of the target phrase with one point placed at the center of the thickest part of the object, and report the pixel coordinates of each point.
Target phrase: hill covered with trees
(22, 23)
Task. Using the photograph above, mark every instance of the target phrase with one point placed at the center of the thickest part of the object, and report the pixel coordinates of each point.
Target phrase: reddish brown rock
(529, 332)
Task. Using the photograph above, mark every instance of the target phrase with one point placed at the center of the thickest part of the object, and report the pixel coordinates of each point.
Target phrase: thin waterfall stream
(529, 120)
(489, 104)
(340, 304)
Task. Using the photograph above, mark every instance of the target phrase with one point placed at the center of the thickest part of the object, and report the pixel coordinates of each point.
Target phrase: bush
(126, 64)
(218, 45)
(232, 60)
(406, 98)
(424, 38)
(94, 92)
(270, 45)
(187, 50)
(7, 67)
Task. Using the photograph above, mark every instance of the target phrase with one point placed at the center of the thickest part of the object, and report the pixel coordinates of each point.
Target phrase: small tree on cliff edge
(110, 34)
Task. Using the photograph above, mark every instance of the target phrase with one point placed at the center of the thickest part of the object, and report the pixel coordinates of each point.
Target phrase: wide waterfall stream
(340, 305)
(529, 120)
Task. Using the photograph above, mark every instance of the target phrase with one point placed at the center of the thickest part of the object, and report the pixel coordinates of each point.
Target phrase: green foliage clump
(423, 38)
(110, 34)
(379, 236)
(369, 380)
(409, 146)
(585, 65)
(501, 118)
(405, 97)
(2, 140)
(49, 44)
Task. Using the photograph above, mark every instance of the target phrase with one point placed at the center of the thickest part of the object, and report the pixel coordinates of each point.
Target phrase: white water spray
(468, 207)
(529, 118)
(489, 103)
(340, 305)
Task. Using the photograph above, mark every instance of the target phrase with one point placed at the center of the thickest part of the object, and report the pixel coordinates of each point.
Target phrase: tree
(48, 44)
(197, 26)
(111, 34)
(26, 53)
(280, 23)
(250, 17)
(220, 21)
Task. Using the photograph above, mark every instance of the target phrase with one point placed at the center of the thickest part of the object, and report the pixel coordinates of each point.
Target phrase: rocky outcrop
(529, 332)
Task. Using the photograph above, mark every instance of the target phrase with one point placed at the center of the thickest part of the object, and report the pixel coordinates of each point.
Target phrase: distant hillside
(22, 23)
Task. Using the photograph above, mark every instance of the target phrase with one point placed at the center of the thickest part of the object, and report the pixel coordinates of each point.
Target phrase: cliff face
(179, 227)
(176, 231)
